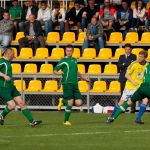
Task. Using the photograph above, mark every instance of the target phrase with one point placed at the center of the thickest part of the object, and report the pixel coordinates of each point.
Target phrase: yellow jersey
(136, 71)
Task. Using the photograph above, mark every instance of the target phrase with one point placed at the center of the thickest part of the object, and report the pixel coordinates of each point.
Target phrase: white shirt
(139, 14)
(28, 13)
(62, 11)
(44, 14)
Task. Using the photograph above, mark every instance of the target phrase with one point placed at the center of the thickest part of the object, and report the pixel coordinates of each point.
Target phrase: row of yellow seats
(52, 86)
(48, 69)
(131, 37)
(54, 37)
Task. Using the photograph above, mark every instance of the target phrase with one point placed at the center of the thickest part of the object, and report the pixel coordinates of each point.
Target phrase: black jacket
(71, 15)
(123, 63)
(36, 26)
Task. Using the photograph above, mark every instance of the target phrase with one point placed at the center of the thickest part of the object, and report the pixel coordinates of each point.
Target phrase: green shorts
(71, 91)
(8, 94)
(142, 92)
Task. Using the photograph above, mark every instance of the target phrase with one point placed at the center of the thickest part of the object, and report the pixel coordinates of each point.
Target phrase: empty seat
(110, 69)
(89, 53)
(68, 37)
(57, 53)
(34, 86)
(94, 69)
(136, 51)
(16, 68)
(41, 53)
(46, 69)
(30, 68)
(76, 53)
(104, 53)
(145, 38)
(131, 37)
(81, 38)
(132, 5)
(118, 52)
(50, 86)
(25, 53)
(15, 51)
(114, 86)
(83, 86)
(19, 35)
(115, 37)
(0, 52)
(53, 37)
(99, 86)
(20, 85)
(81, 68)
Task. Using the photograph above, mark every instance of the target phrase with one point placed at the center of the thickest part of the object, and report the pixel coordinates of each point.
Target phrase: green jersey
(69, 69)
(147, 75)
(5, 67)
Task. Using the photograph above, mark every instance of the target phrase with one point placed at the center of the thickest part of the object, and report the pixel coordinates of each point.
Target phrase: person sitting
(147, 21)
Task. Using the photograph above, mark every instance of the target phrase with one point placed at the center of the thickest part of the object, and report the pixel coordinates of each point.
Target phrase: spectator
(94, 34)
(58, 18)
(116, 3)
(30, 9)
(1, 13)
(90, 11)
(6, 30)
(139, 15)
(147, 21)
(107, 15)
(44, 16)
(124, 17)
(74, 17)
(33, 34)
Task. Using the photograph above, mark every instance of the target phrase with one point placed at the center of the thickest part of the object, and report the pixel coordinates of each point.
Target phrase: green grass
(88, 132)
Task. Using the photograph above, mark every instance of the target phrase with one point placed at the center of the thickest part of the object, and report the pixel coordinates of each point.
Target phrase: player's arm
(7, 78)
(82, 77)
(58, 67)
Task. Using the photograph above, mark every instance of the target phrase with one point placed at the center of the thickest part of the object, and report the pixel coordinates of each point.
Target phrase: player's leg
(77, 96)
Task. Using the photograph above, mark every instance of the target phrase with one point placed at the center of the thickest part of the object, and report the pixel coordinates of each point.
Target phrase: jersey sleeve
(59, 65)
(131, 68)
(1, 64)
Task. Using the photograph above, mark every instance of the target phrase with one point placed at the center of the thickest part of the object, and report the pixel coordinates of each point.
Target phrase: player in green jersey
(8, 91)
(70, 74)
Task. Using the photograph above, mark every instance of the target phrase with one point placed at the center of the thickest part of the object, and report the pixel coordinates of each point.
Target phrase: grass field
(88, 132)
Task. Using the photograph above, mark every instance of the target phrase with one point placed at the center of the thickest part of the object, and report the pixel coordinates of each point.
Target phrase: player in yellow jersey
(135, 76)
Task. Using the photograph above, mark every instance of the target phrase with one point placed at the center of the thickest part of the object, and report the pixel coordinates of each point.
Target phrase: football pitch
(88, 132)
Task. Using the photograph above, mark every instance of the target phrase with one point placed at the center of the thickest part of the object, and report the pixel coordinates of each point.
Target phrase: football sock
(115, 110)
(67, 113)
(141, 112)
(5, 112)
(26, 112)
(122, 109)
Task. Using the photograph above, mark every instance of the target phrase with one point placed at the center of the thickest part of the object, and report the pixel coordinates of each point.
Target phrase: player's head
(9, 54)
(69, 50)
(128, 48)
(142, 56)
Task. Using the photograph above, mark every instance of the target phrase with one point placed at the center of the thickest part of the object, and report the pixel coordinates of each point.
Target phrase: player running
(134, 75)
(69, 73)
(8, 91)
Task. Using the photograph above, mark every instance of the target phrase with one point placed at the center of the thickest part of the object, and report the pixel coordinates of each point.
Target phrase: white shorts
(127, 94)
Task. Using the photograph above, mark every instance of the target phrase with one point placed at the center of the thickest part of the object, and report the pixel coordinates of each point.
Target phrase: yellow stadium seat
(68, 37)
(145, 38)
(131, 37)
(114, 87)
(118, 52)
(147, 6)
(20, 85)
(115, 37)
(76, 53)
(133, 5)
(94, 69)
(57, 53)
(81, 68)
(81, 38)
(60, 89)
(0, 52)
(15, 51)
(83, 86)
(19, 35)
(41, 53)
(53, 37)
(30, 68)
(99, 86)
(34, 86)
(89, 53)
(46, 69)
(16, 68)
(110, 69)
(136, 51)
(25, 53)
(50, 86)
(105, 53)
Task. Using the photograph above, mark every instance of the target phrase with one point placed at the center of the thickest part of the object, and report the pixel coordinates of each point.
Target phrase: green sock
(122, 108)
(67, 113)
(26, 112)
(5, 112)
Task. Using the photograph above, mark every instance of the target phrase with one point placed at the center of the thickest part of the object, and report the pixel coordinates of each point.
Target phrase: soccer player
(134, 75)
(8, 91)
(69, 73)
